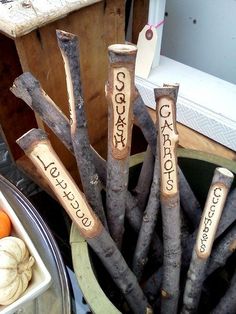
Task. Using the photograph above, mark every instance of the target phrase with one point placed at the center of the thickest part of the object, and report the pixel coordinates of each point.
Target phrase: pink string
(157, 25)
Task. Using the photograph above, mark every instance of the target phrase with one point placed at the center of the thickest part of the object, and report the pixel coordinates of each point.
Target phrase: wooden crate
(33, 47)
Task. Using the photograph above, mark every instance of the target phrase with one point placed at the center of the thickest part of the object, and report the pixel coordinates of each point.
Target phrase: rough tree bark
(142, 188)
(216, 198)
(120, 94)
(37, 147)
(69, 47)
(148, 225)
(169, 196)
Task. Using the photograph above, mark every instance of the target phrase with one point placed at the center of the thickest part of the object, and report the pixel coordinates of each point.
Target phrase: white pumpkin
(15, 269)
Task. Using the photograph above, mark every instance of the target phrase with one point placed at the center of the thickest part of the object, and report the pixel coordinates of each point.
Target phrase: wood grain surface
(97, 26)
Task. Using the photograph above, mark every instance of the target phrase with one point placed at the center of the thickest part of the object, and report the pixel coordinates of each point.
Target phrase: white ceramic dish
(41, 278)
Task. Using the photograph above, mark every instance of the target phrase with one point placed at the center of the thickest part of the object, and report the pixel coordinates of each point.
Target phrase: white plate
(41, 278)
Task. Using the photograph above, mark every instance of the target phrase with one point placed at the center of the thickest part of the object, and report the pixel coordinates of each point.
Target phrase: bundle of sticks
(158, 209)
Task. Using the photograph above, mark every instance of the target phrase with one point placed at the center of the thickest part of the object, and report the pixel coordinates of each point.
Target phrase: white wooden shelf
(205, 103)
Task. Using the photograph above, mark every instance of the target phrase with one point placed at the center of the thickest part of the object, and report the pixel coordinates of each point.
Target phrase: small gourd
(15, 269)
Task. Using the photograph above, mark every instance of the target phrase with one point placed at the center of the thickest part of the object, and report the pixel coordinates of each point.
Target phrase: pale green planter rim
(93, 294)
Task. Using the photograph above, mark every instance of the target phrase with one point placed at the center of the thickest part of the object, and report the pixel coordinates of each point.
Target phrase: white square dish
(41, 278)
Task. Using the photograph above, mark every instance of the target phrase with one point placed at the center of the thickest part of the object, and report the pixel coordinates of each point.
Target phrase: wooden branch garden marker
(150, 172)
(188, 200)
(169, 196)
(226, 220)
(68, 44)
(216, 197)
(120, 94)
(28, 88)
(38, 148)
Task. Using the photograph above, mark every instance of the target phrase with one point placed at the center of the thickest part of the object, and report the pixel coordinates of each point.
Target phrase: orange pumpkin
(5, 224)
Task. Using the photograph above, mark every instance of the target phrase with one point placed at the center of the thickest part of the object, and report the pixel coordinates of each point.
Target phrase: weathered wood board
(19, 17)
(97, 26)
(15, 116)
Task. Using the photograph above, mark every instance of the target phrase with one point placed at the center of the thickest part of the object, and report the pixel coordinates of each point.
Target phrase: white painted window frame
(206, 103)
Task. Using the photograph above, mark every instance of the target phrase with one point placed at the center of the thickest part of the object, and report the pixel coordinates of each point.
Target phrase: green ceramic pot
(198, 168)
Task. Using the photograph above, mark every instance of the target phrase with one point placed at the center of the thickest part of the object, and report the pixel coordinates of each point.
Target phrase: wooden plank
(15, 117)
(140, 17)
(189, 138)
(39, 54)
(19, 17)
(113, 22)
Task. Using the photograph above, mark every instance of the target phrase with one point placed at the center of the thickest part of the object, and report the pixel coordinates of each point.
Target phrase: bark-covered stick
(28, 88)
(227, 304)
(142, 188)
(190, 204)
(152, 286)
(148, 225)
(69, 47)
(222, 251)
(120, 94)
(169, 195)
(37, 147)
(151, 211)
(188, 200)
(216, 198)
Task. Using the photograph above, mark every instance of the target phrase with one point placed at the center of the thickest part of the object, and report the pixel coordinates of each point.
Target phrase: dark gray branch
(69, 48)
(142, 189)
(148, 225)
(227, 304)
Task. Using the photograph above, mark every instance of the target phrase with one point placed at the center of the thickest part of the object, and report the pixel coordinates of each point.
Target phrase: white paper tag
(146, 50)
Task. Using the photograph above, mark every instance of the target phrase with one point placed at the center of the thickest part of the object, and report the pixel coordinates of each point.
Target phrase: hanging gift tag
(146, 50)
